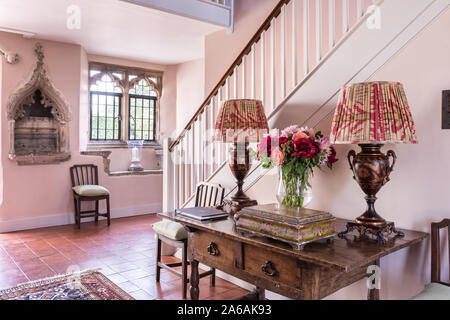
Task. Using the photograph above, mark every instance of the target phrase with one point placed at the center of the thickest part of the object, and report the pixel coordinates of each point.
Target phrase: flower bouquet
(297, 151)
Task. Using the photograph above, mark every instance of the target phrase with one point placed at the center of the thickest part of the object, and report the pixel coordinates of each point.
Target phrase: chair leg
(96, 211)
(108, 211)
(79, 213)
(158, 258)
(212, 280)
(76, 210)
(184, 265)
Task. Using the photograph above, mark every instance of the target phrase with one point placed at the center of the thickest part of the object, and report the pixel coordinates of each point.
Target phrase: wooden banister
(266, 24)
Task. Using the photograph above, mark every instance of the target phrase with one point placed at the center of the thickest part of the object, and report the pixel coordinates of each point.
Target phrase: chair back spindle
(86, 174)
(209, 195)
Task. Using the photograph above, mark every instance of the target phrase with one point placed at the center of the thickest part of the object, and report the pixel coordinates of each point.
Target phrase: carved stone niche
(38, 118)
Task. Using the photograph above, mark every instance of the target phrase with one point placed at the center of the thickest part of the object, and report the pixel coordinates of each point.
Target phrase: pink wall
(190, 90)
(31, 192)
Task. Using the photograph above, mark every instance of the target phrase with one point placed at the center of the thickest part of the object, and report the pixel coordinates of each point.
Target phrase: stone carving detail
(50, 98)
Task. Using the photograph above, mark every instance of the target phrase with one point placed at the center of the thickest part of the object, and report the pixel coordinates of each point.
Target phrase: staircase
(287, 64)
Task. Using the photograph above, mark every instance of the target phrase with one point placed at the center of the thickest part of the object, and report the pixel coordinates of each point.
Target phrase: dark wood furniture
(436, 250)
(87, 174)
(319, 270)
(207, 195)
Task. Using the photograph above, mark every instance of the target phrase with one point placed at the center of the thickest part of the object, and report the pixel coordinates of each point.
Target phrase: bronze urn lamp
(240, 122)
(372, 114)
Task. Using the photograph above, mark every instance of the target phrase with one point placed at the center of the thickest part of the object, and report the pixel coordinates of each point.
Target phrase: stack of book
(201, 213)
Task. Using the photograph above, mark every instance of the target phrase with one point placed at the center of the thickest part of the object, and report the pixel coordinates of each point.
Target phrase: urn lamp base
(239, 162)
(371, 169)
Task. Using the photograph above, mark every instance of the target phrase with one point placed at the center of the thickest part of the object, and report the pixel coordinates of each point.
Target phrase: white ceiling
(112, 28)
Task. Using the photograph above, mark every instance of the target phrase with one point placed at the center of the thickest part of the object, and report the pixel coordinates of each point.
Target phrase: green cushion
(171, 230)
(90, 191)
(434, 291)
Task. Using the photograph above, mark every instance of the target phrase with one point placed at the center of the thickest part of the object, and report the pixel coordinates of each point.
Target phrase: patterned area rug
(85, 285)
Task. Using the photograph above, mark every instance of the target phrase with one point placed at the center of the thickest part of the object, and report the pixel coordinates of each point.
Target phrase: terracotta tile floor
(125, 252)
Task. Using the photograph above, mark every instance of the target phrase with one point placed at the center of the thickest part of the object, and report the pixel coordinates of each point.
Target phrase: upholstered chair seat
(90, 191)
(434, 291)
(171, 230)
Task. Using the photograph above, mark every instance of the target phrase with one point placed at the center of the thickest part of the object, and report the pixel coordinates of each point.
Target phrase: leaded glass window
(142, 107)
(105, 100)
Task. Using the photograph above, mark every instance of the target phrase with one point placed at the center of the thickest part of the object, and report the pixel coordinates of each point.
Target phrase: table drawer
(272, 266)
(217, 250)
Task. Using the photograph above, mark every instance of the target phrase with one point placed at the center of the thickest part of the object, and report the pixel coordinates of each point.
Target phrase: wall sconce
(10, 57)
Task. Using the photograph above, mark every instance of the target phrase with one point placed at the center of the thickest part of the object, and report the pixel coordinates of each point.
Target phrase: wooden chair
(85, 188)
(436, 290)
(207, 195)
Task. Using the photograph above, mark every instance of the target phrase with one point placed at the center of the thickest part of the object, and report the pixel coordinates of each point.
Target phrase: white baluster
(212, 120)
(202, 146)
(219, 145)
(359, 9)
(180, 174)
(186, 168)
(227, 89)
(294, 43)
(331, 22)
(175, 176)
(253, 72)
(283, 52)
(318, 30)
(244, 77)
(198, 147)
(235, 82)
(345, 8)
(272, 65)
(263, 67)
(192, 150)
(305, 37)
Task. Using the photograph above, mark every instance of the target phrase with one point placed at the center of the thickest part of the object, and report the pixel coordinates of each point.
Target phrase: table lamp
(372, 114)
(240, 122)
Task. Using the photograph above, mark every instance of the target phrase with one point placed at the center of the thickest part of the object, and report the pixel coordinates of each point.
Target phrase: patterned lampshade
(373, 112)
(240, 120)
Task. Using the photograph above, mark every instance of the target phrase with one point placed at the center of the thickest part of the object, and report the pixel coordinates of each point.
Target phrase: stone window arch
(134, 91)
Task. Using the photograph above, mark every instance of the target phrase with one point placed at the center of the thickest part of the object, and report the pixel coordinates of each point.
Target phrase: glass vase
(293, 190)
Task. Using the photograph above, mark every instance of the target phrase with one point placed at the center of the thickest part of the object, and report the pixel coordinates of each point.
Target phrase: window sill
(95, 146)
(135, 173)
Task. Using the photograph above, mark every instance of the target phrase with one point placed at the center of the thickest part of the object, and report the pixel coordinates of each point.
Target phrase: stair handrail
(237, 62)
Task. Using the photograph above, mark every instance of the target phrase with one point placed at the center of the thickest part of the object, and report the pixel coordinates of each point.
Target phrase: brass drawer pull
(212, 249)
(268, 269)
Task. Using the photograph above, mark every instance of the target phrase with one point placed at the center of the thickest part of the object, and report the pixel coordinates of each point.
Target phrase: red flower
(332, 157)
(283, 140)
(305, 148)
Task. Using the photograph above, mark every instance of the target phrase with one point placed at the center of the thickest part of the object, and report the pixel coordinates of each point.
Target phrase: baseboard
(68, 218)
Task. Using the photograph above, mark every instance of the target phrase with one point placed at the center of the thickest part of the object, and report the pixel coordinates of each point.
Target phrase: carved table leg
(194, 280)
(260, 293)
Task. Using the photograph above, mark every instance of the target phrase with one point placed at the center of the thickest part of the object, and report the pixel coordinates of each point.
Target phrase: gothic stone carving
(51, 98)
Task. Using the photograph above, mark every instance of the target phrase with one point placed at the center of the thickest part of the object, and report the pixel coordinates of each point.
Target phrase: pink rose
(277, 156)
(300, 135)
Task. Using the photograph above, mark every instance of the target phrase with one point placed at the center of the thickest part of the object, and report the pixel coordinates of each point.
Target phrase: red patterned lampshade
(373, 112)
(240, 120)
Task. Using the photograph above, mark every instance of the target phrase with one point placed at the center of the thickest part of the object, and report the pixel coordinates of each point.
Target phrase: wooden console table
(319, 270)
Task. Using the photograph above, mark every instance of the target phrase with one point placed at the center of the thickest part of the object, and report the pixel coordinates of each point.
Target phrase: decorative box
(291, 225)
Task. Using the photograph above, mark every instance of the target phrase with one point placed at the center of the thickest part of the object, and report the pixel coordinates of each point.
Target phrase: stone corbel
(9, 56)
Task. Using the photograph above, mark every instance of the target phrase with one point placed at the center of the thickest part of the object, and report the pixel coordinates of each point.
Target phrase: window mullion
(125, 111)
